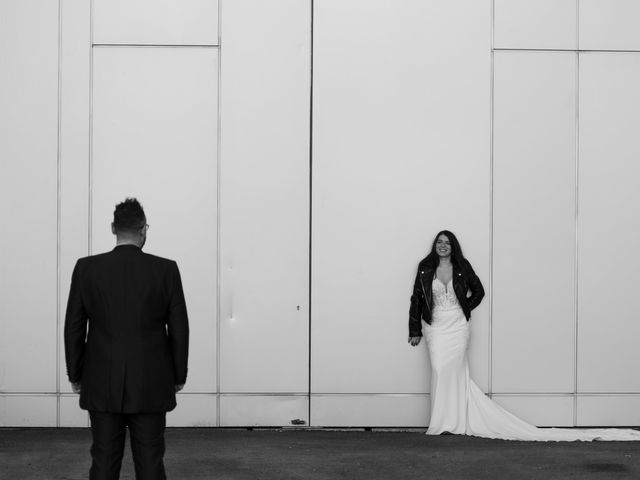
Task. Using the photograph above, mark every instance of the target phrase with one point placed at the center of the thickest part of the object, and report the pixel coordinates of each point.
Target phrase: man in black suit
(126, 338)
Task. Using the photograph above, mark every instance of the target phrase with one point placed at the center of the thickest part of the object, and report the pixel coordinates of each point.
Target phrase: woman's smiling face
(443, 246)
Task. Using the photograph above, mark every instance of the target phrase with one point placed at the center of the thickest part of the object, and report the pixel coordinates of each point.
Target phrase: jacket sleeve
(178, 327)
(415, 310)
(475, 287)
(75, 327)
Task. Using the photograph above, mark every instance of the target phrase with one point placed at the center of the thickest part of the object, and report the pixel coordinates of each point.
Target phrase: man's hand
(414, 341)
(75, 386)
(179, 387)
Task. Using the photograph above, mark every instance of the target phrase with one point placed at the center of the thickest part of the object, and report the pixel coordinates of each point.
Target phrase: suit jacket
(126, 331)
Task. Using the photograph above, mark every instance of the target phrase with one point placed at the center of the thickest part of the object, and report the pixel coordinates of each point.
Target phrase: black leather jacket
(464, 280)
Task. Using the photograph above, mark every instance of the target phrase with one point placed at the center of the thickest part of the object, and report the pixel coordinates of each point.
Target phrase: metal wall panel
(194, 410)
(368, 410)
(75, 69)
(608, 232)
(540, 410)
(536, 24)
(264, 251)
(263, 410)
(155, 137)
(28, 197)
(70, 414)
(159, 22)
(608, 410)
(609, 25)
(400, 151)
(28, 410)
(534, 211)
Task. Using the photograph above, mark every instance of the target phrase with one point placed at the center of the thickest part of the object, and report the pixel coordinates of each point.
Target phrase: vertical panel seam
(90, 169)
(577, 24)
(576, 234)
(310, 205)
(491, 139)
(58, 214)
(90, 199)
(576, 224)
(218, 213)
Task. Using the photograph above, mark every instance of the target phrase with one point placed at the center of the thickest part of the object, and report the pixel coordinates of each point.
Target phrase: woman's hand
(414, 341)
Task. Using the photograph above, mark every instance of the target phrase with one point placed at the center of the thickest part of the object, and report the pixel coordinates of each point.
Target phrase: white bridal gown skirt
(459, 406)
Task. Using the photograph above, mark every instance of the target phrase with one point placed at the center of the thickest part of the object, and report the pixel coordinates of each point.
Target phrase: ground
(287, 454)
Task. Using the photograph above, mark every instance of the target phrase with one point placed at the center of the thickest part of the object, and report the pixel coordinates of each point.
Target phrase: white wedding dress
(457, 403)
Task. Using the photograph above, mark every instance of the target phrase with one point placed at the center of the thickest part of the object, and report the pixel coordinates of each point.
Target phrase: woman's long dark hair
(457, 258)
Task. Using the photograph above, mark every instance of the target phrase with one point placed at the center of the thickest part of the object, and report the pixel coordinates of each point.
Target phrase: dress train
(457, 403)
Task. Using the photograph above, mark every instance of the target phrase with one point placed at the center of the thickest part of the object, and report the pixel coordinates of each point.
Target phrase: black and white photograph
(319, 239)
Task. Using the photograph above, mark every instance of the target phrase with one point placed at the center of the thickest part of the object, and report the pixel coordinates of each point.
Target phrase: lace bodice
(444, 297)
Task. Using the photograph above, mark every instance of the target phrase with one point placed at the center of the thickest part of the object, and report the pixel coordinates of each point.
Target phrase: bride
(445, 291)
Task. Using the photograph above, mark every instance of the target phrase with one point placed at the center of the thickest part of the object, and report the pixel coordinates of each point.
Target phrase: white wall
(29, 212)
(607, 237)
(400, 151)
(534, 247)
(565, 180)
(163, 145)
(316, 152)
(264, 275)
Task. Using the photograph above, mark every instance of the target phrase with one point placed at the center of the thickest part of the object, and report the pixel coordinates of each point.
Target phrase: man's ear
(113, 228)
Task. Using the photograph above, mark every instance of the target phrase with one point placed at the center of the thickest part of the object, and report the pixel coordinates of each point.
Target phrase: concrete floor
(239, 454)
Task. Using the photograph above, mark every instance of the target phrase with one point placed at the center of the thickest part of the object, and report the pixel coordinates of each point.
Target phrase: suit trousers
(146, 432)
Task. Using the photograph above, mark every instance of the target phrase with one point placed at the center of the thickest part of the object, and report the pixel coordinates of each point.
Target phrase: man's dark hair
(129, 217)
